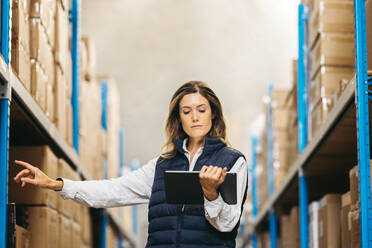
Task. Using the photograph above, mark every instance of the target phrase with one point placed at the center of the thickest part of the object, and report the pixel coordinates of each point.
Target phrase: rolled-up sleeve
(133, 188)
(221, 215)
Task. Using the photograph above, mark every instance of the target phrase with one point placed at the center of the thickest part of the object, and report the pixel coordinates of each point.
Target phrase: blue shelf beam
(75, 71)
(302, 121)
(273, 229)
(134, 165)
(363, 122)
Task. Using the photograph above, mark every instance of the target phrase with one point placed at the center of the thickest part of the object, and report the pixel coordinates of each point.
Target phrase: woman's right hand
(33, 175)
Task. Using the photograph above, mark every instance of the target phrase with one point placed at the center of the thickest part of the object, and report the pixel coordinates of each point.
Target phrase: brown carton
(354, 216)
(331, 16)
(49, 101)
(41, 50)
(319, 114)
(345, 230)
(64, 228)
(86, 225)
(112, 237)
(333, 49)
(76, 235)
(295, 227)
(281, 119)
(327, 80)
(354, 187)
(279, 98)
(69, 122)
(41, 157)
(39, 83)
(61, 35)
(67, 207)
(43, 226)
(22, 238)
(60, 102)
(21, 64)
(285, 234)
(20, 23)
(45, 11)
(329, 221)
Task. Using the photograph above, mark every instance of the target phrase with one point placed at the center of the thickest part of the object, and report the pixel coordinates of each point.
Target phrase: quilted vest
(185, 226)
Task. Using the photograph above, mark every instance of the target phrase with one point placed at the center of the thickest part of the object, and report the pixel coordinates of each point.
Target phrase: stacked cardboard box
(46, 161)
(345, 227)
(86, 226)
(63, 77)
(23, 237)
(87, 58)
(354, 214)
(91, 132)
(112, 237)
(331, 31)
(313, 224)
(21, 41)
(284, 231)
(329, 230)
(42, 27)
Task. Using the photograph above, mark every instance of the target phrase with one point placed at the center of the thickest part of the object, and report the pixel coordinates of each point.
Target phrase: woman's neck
(195, 143)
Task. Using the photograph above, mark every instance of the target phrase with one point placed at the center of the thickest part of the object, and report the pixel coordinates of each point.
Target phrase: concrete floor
(152, 47)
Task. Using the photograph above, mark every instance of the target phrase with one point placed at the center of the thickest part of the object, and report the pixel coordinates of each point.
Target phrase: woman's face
(196, 115)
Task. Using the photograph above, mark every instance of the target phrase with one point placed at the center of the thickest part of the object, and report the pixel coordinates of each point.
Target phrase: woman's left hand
(211, 177)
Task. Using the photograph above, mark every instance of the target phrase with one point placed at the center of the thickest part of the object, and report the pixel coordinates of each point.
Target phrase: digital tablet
(183, 187)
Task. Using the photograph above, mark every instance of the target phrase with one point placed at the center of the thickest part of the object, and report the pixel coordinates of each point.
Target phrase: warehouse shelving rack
(35, 127)
(343, 141)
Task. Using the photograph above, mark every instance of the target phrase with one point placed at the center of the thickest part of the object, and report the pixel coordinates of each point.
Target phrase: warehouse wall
(152, 47)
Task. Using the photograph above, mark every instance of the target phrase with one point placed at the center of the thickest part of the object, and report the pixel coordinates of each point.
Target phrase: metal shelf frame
(353, 104)
(13, 92)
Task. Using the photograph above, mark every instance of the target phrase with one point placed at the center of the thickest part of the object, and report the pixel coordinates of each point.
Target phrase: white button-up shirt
(135, 188)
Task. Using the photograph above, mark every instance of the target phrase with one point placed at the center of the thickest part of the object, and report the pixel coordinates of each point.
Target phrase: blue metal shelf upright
(5, 96)
(362, 95)
(254, 143)
(302, 119)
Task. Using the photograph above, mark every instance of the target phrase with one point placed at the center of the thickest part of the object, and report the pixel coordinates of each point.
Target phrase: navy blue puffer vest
(172, 225)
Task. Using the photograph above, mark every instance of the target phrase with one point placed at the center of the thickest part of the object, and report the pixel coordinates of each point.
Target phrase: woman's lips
(196, 126)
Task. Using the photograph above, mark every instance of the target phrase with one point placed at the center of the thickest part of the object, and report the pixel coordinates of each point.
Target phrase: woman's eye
(187, 112)
(201, 110)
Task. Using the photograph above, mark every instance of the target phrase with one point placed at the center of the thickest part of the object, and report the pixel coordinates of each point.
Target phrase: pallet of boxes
(331, 40)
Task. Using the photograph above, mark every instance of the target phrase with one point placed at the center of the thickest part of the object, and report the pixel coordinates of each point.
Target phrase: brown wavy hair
(173, 126)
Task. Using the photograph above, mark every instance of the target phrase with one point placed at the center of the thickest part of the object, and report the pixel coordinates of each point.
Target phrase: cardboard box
(112, 237)
(60, 103)
(67, 207)
(41, 157)
(39, 83)
(295, 227)
(354, 187)
(279, 98)
(284, 227)
(345, 225)
(49, 101)
(69, 123)
(41, 50)
(327, 80)
(354, 216)
(21, 64)
(20, 23)
(76, 235)
(61, 36)
(331, 16)
(43, 226)
(313, 224)
(333, 49)
(23, 238)
(45, 11)
(329, 221)
(86, 225)
(319, 114)
(65, 231)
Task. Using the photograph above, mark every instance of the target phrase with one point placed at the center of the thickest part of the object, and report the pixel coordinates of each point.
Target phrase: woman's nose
(194, 116)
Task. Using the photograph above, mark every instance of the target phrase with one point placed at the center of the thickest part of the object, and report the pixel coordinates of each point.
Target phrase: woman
(196, 141)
